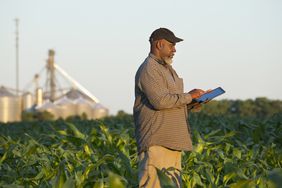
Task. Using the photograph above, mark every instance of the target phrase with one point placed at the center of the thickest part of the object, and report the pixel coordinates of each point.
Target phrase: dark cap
(163, 33)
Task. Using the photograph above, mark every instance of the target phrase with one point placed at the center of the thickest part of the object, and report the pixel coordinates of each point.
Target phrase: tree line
(260, 107)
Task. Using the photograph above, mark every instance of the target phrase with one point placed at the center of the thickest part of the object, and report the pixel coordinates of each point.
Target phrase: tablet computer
(210, 95)
(206, 97)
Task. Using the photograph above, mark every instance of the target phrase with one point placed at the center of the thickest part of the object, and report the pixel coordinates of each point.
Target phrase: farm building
(61, 102)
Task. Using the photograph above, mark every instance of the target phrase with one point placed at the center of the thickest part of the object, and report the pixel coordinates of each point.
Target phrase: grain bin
(39, 96)
(10, 106)
(49, 107)
(66, 107)
(27, 101)
(99, 111)
(83, 106)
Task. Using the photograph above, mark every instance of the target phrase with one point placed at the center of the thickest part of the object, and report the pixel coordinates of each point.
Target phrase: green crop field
(228, 152)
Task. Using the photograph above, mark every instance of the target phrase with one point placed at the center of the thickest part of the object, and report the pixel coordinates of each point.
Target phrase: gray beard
(168, 61)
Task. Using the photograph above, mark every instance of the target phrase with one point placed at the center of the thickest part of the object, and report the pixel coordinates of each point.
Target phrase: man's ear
(159, 44)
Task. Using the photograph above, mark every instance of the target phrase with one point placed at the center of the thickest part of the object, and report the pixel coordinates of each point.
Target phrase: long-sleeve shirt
(160, 111)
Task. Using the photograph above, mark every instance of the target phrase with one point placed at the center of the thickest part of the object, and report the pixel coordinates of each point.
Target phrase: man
(160, 112)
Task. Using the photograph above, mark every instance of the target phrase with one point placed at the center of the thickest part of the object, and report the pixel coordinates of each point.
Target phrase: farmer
(160, 112)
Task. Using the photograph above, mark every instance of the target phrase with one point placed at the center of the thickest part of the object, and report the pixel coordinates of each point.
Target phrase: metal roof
(82, 101)
(75, 94)
(99, 106)
(62, 101)
(4, 92)
(46, 105)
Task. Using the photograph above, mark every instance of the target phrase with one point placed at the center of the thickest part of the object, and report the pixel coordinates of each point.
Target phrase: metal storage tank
(66, 107)
(27, 101)
(99, 111)
(49, 107)
(39, 96)
(10, 106)
(83, 107)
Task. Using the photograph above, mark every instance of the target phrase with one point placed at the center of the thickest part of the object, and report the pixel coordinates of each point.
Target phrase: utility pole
(17, 56)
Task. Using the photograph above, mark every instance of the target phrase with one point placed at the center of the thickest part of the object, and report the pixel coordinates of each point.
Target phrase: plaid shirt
(160, 108)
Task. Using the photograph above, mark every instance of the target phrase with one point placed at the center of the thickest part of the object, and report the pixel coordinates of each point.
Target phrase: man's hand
(196, 93)
(197, 108)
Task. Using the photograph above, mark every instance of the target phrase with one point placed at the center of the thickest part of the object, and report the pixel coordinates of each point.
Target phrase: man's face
(167, 51)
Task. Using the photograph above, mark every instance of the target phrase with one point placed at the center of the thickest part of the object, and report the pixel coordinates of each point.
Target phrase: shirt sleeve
(153, 84)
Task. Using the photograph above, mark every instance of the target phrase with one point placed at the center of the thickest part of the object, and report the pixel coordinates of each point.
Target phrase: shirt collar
(157, 59)
(169, 67)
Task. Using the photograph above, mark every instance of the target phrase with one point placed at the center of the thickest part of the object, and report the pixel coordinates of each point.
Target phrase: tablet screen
(210, 95)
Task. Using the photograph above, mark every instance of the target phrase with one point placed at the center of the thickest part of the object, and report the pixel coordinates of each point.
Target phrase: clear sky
(235, 44)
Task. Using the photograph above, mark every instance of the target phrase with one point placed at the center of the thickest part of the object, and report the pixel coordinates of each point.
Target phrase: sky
(235, 44)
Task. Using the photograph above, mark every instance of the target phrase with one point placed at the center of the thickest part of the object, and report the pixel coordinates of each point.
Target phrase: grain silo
(10, 106)
(66, 107)
(27, 101)
(83, 107)
(48, 106)
(74, 100)
(39, 96)
(99, 111)
(69, 103)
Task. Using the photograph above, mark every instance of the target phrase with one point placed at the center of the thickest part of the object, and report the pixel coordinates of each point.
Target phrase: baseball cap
(164, 33)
